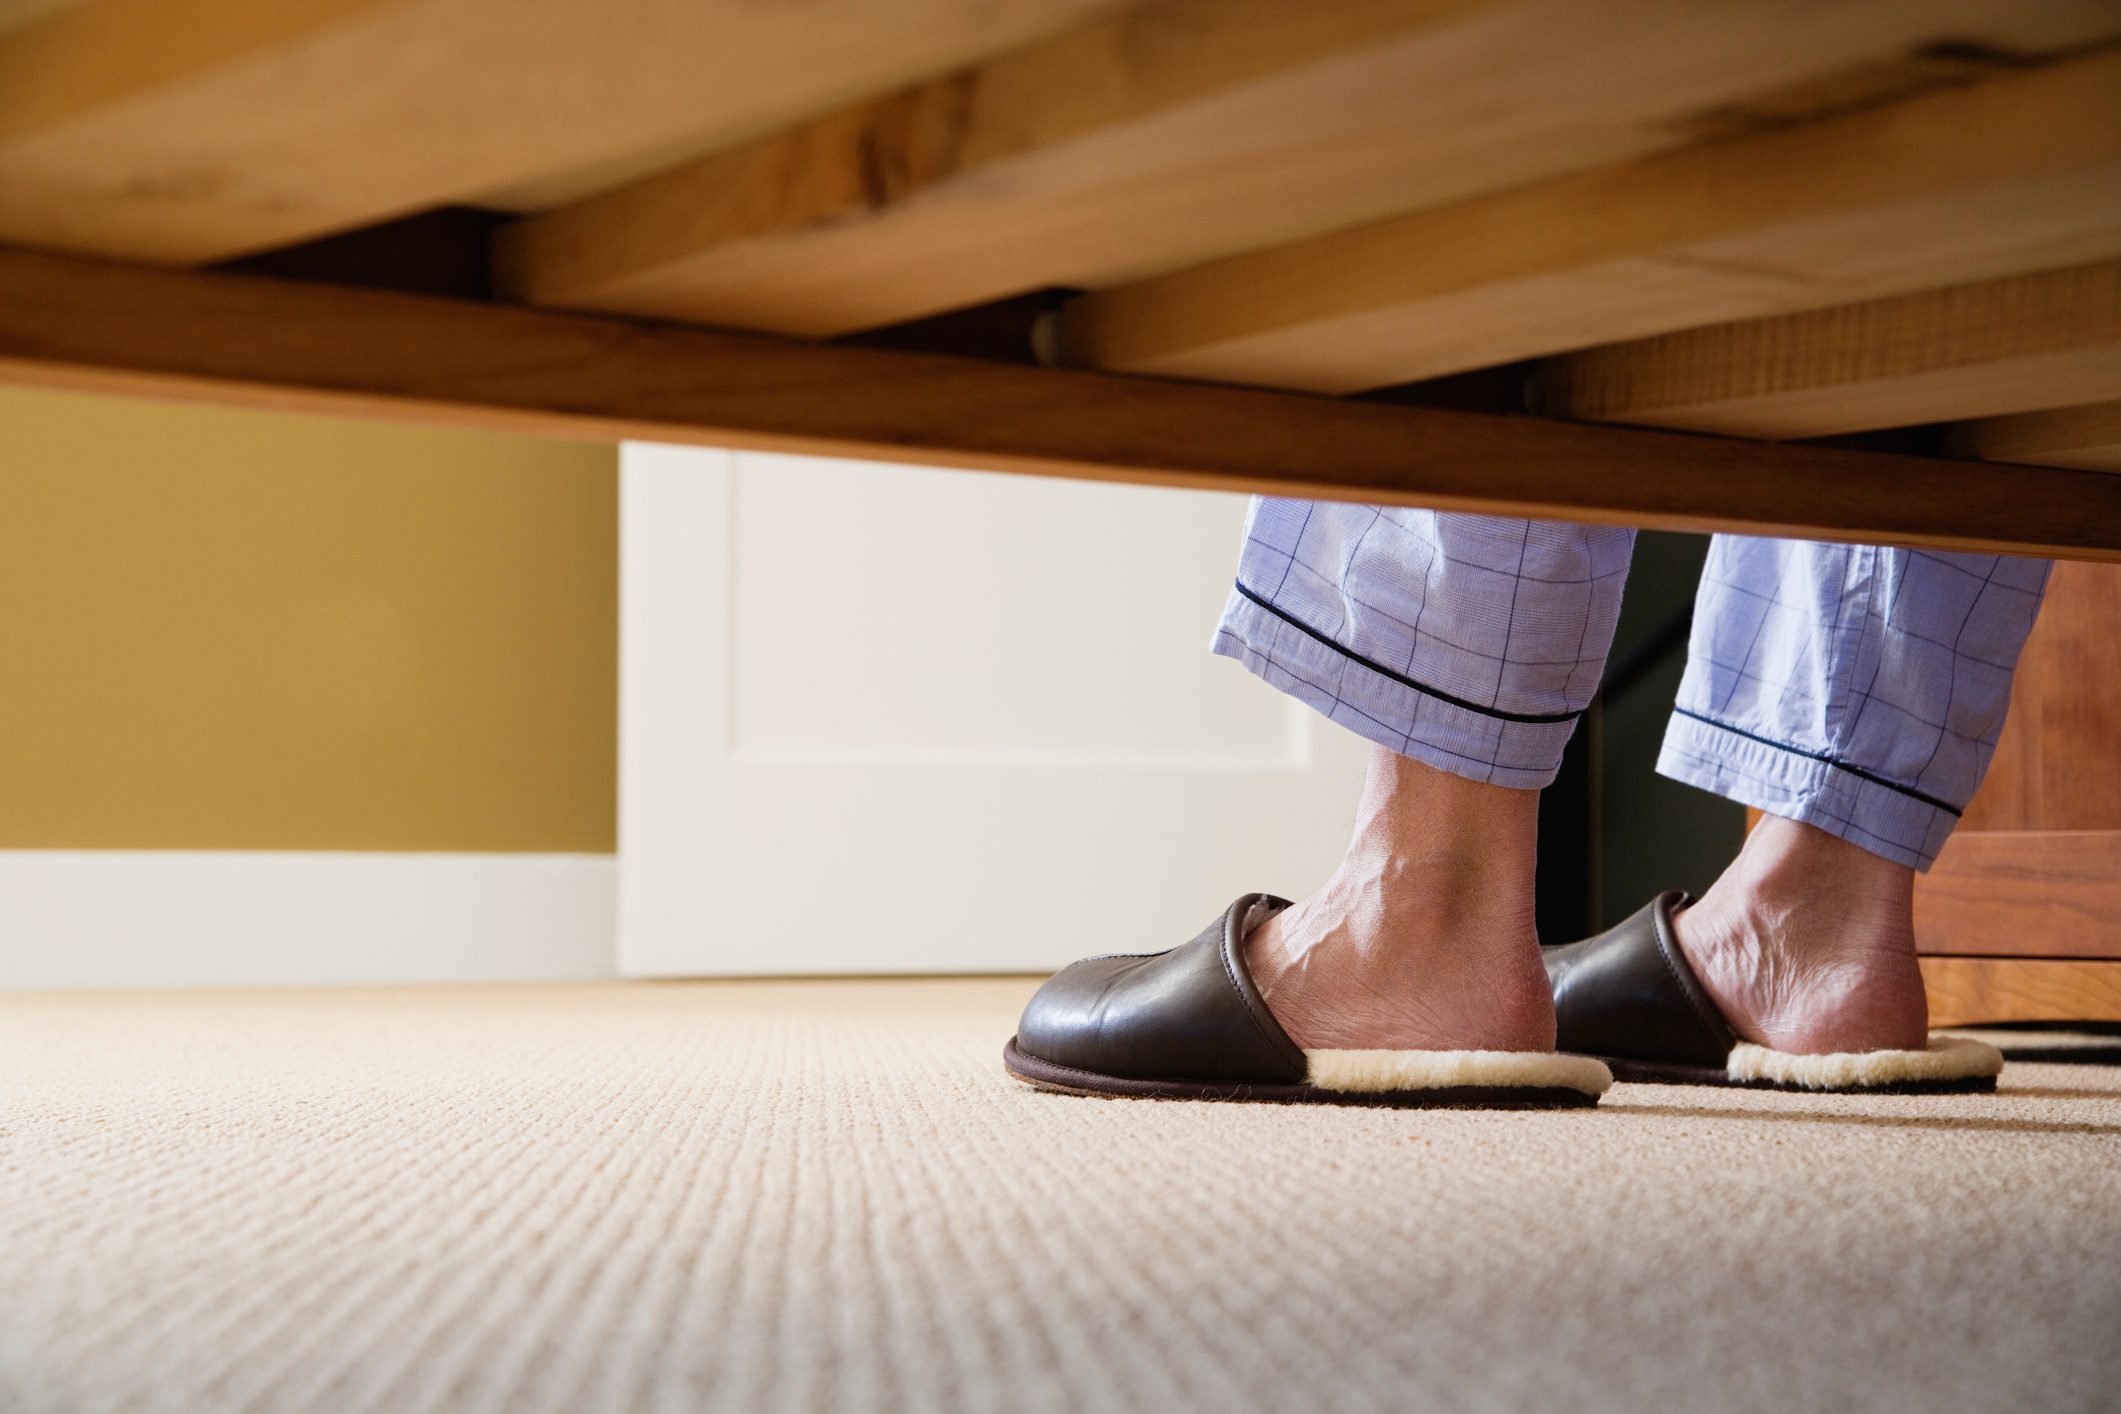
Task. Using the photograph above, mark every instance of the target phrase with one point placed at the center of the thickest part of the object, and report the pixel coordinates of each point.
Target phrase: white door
(893, 719)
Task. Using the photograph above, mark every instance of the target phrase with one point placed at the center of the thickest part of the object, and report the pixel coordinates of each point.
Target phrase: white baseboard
(187, 918)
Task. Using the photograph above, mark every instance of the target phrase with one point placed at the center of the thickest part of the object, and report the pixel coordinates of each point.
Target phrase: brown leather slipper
(1189, 1024)
(1629, 997)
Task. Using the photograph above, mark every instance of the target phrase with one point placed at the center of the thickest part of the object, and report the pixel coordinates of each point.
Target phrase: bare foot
(1807, 942)
(1423, 938)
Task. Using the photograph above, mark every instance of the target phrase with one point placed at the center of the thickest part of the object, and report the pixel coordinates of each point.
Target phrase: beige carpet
(828, 1197)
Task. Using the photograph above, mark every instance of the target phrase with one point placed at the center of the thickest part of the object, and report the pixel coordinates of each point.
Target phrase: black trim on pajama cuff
(1543, 718)
(1824, 759)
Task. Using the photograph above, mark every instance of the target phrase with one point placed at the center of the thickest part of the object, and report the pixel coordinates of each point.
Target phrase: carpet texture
(827, 1196)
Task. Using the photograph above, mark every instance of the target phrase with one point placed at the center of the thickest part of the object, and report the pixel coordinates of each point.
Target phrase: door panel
(889, 719)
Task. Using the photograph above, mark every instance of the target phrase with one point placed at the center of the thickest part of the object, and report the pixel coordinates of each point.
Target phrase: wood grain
(2058, 763)
(237, 338)
(1185, 131)
(2016, 174)
(2088, 437)
(2034, 869)
(197, 130)
(17, 14)
(2033, 893)
(2002, 346)
(1967, 991)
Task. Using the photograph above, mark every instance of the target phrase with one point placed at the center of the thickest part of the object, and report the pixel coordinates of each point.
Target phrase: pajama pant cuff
(1389, 709)
(1797, 785)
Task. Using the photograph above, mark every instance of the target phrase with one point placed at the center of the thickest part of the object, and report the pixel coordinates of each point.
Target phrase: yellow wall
(244, 630)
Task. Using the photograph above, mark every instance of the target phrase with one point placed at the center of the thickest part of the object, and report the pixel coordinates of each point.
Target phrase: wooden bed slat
(192, 131)
(1193, 129)
(2003, 346)
(248, 339)
(2088, 437)
(2015, 174)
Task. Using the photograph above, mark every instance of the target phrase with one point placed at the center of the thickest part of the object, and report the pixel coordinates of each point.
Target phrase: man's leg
(1854, 694)
(1463, 648)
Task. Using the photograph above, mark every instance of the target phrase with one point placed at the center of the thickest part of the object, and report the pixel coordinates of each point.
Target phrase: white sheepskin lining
(1440, 1070)
(1946, 1058)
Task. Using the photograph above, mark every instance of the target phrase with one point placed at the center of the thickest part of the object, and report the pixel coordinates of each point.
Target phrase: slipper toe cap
(1070, 1020)
(1187, 1014)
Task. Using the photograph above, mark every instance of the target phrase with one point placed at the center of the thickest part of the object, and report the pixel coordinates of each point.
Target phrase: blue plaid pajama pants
(1855, 688)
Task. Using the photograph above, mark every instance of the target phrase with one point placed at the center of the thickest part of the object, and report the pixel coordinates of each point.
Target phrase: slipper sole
(1640, 1072)
(1066, 1080)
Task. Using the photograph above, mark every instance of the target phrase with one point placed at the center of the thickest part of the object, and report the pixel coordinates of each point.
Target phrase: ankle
(1787, 867)
(1433, 857)
(1423, 937)
(1431, 845)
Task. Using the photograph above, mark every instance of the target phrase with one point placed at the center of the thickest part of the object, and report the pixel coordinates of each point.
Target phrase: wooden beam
(1188, 130)
(196, 130)
(2088, 437)
(2004, 346)
(251, 339)
(2019, 173)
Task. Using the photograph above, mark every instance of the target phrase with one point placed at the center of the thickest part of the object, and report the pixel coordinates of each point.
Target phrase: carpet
(827, 1196)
